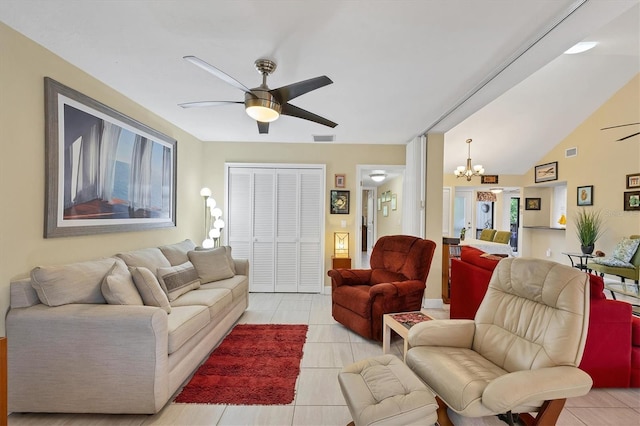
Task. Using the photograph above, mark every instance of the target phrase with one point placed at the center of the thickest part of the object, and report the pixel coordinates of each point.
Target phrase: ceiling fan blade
(200, 104)
(291, 91)
(621, 125)
(218, 73)
(627, 137)
(294, 111)
(263, 127)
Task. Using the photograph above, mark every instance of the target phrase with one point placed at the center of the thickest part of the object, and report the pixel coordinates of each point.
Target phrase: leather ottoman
(384, 391)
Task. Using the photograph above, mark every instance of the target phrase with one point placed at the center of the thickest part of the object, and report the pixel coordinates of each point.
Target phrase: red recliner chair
(395, 283)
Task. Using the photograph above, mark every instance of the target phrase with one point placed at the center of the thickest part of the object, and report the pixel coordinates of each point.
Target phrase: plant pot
(587, 249)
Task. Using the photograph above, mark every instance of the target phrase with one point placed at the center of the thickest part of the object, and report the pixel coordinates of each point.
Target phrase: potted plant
(588, 229)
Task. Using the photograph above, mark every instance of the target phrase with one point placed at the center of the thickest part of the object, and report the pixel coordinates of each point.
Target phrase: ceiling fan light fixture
(261, 109)
(378, 177)
(469, 171)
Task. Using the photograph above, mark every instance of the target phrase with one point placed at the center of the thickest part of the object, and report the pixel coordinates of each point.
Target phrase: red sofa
(612, 352)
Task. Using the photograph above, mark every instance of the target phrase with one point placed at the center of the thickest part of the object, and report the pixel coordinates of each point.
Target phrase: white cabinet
(276, 220)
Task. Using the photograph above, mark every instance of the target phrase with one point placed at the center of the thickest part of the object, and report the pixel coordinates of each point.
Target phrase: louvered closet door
(239, 220)
(287, 201)
(311, 230)
(263, 256)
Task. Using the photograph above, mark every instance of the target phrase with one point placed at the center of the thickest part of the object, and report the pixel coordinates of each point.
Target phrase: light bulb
(211, 202)
(214, 233)
(219, 223)
(205, 192)
(208, 243)
(216, 212)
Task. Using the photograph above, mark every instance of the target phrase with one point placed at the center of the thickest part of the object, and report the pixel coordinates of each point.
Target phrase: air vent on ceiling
(571, 152)
(324, 138)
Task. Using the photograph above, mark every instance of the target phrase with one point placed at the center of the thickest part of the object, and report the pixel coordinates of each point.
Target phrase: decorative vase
(587, 249)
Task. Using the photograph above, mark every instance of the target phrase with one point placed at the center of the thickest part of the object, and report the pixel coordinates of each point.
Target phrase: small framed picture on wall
(532, 203)
(633, 181)
(632, 200)
(340, 181)
(585, 195)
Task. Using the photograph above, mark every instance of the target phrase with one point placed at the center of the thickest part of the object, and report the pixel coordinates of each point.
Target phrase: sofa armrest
(79, 358)
(341, 277)
(450, 333)
(241, 266)
(531, 386)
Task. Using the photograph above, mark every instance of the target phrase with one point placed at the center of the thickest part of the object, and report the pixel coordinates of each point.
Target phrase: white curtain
(108, 149)
(167, 169)
(140, 178)
(86, 188)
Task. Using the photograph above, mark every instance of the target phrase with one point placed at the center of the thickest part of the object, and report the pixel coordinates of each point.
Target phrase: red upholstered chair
(395, 283)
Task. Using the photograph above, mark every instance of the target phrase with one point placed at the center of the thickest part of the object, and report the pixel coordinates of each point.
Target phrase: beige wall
(23, 67)
(602, 162)
(339, 158)
(392, 223)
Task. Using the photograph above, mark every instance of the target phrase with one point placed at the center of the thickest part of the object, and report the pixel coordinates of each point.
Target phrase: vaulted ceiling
(491, 70)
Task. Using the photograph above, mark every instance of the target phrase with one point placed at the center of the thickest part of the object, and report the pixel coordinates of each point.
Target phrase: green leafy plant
(589, 226)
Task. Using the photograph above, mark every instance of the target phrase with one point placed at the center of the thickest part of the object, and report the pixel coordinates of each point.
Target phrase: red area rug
(254, 365)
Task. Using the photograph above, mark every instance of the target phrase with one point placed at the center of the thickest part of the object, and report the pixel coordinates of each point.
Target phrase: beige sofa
(101, 337)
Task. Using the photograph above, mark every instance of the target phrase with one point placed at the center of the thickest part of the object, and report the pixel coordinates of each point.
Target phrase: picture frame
(340, 180)
(387, 196)
(633, 181)
(104, 171)
(532, 203)
(546, 172)
(385, 211)
(584, 195)
(489, 179)
(632, 201)
(394, 201)
(339, 202)
(379, 203)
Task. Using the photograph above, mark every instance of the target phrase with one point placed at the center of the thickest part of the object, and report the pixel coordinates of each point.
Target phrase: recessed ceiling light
(583, 46)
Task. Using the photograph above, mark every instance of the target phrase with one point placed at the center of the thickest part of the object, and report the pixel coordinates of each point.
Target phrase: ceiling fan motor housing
(261, 99)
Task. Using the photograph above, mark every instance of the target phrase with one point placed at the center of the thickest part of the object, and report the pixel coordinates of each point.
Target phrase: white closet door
(240, 218)
(262, 255)
(311, 211)
(287, 202)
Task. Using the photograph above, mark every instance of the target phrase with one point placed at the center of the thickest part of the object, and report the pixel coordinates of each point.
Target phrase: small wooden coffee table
(400, 323)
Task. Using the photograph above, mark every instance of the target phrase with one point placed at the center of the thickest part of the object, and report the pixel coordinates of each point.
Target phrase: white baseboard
(432, 303)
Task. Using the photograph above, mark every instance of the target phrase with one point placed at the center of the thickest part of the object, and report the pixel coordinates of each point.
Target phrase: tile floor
(318, 398)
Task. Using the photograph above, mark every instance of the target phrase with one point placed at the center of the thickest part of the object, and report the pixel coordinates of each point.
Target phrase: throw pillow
(177, 253)
(149, 288)
(150, 258)
(73, 283)
(612, 261)
(178, 280)
(212, 265)
(118, 287)
(625, 249)
(227, 250)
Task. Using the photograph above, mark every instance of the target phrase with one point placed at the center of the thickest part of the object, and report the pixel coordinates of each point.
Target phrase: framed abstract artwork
(532, 203)
(633, 181)
(339, 202)
(340, 181)
(632, 201)
(105, 172)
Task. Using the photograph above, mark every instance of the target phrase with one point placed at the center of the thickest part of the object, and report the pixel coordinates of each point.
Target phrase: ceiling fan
(623, 125)
(261, 103)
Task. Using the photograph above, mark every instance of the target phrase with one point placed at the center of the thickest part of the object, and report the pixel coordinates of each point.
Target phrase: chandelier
(469, 171)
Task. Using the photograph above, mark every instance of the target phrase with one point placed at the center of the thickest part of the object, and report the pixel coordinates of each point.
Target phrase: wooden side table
(400, 323)
(340, 262)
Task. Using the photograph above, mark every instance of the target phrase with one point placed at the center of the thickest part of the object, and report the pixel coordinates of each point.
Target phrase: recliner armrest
(450, 333)
(528, 386)
(397, 288)
(349, 276)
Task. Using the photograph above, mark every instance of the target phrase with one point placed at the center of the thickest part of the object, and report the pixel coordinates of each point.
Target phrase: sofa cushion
(625, 249)
(184, 323)
(212, 265)
(216, 300)
(596, 287)
(22, 294)
(176, 253)
(149, 288)
(227, 250)
(150, 258)
(177, 280)
(118, 287)
(73, 283)
(612, 261)
(238, 284)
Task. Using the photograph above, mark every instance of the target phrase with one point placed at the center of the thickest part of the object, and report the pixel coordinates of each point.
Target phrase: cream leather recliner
(521, 352)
